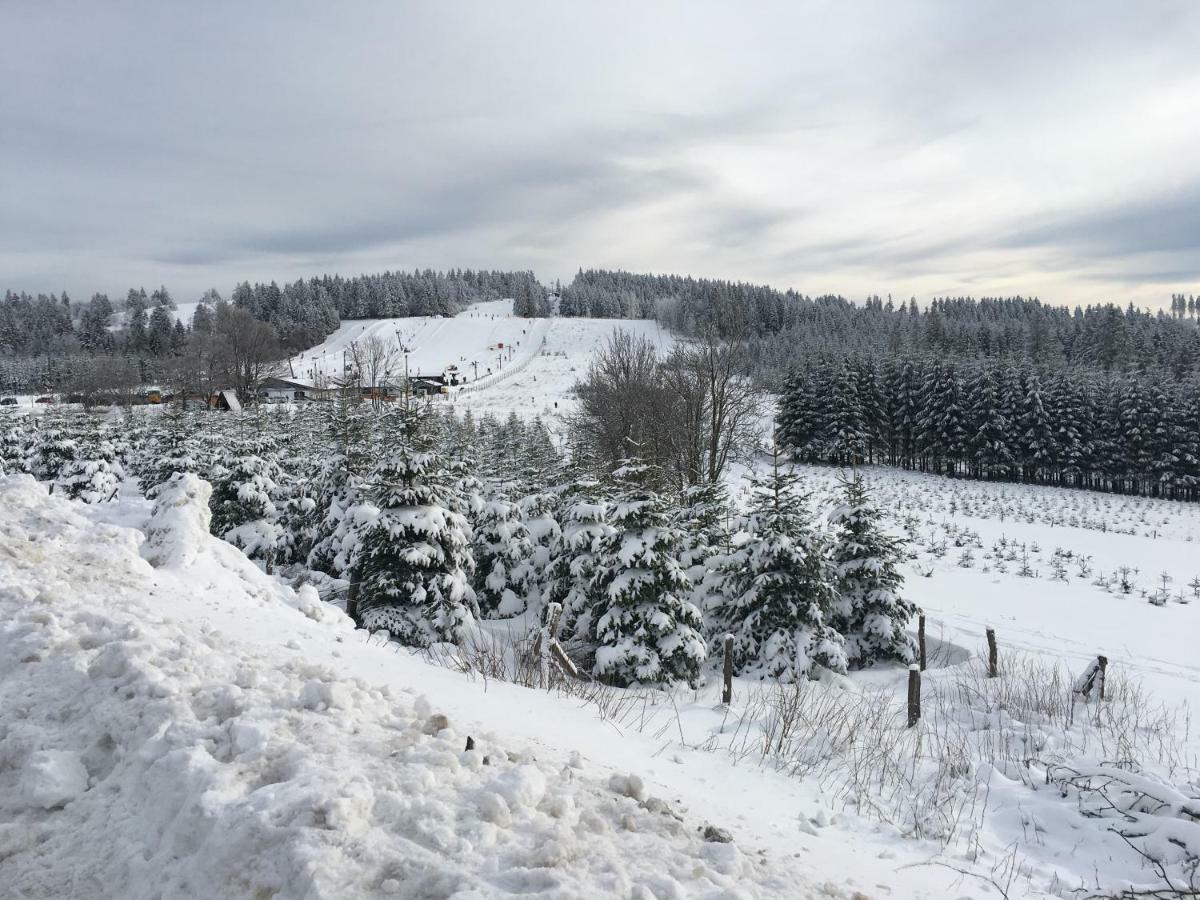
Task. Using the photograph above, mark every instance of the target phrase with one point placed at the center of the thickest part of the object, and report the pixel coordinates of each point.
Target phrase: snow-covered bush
(179, 523)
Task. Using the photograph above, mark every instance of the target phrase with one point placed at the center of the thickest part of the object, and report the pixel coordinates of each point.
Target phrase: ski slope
(547, 355)
(478, 341)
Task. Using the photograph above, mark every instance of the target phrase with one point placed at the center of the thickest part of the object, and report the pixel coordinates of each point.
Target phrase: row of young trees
(383, 503)
(1129, 433)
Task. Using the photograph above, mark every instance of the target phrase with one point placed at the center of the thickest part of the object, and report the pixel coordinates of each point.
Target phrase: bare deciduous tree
(689, 414)
(375, 360)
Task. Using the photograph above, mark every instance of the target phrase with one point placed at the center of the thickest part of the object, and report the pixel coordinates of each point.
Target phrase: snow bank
(145, 754)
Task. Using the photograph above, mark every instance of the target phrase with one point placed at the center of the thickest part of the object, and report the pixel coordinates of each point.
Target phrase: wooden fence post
(921, 639)
(914, 695)
(1103, 660)
(993, 667)
(727, 691)
(553, 613)
(352, 600)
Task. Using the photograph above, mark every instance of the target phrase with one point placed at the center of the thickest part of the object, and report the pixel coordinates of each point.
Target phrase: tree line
(48, 342)
(1134, 432)
(783, 326)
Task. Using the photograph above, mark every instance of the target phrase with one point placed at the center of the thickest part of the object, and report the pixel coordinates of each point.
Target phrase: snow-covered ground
(176, 724)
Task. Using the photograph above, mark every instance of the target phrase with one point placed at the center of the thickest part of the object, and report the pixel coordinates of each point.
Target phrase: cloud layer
(913, 149)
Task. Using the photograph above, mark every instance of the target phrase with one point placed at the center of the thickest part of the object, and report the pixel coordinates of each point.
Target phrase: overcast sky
(855, 148)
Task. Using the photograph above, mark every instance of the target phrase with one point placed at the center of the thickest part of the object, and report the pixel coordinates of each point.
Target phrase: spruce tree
(14, 441)
(504, 578)
(338, 490)
(644, 629)
(414, 563)
(243, 502)
(94, 475)
(51, 449)
(868, 611)
(176, 448)
(781, 586)
(575, 554)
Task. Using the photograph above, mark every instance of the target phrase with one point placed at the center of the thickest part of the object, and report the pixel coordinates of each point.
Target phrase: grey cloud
(1165, 224)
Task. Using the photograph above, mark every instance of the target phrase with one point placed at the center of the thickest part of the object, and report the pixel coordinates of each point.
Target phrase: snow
(161, 737)
(549, 355)
(52, 778)
(161, 695)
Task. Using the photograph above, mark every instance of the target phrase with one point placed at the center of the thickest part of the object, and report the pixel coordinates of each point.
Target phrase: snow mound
(179, 525)
(145, 754)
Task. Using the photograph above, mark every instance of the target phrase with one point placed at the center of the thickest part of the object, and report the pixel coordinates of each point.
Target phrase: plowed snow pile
(145, 753)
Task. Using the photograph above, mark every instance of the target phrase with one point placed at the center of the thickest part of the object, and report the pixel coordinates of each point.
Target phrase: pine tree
(868, 612)
(414, 562)
(781, 586)
(339, 488)
(51, 449)
(14, 442)
(1038, 452)
(176, 448)
(644, 629)
(989, 433)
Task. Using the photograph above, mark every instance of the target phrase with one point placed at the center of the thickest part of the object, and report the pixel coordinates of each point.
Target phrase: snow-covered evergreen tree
(177, 449)
(781, 586)
(51, 449)
(504, 578)
(574, 557)
(243, 502)
(14, 441)
(644, 628)
(94, 475)
(703, 518)
(414, 563)
(338, 491)
(868, 610)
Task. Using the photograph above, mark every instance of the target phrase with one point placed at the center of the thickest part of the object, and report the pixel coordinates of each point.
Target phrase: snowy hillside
(547, 355)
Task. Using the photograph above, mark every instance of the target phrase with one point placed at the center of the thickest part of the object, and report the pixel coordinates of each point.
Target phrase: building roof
(292, 383)
(231, 400)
